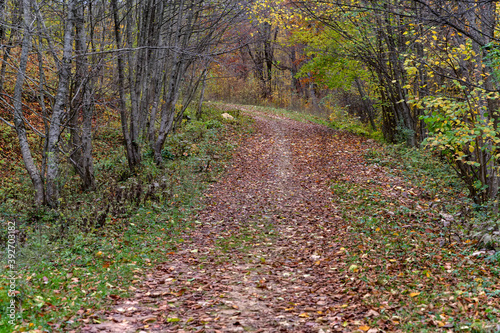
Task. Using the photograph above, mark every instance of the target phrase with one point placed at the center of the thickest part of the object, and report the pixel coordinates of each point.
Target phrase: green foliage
(492, 51)
(213, 123)
(422, 168)
(430, 171)
(463, 132)
(458, 113)
(403, 133)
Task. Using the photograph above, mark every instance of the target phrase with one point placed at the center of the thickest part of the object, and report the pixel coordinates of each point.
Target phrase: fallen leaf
(173, 320)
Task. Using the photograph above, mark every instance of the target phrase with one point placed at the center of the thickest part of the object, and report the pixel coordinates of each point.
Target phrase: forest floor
(276, 249)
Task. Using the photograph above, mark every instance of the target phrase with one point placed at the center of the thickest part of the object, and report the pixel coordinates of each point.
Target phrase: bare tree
(27, 24)
(59, 110)
(162, 51)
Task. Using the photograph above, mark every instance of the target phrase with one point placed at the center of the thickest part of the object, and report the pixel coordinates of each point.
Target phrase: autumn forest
(254, 165)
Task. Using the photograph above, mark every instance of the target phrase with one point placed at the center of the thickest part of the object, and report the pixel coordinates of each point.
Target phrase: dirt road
(267, 255)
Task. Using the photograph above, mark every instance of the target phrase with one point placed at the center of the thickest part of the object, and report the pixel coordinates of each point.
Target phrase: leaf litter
(303, 235)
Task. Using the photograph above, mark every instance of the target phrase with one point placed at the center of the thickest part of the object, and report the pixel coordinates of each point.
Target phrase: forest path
(266, 255)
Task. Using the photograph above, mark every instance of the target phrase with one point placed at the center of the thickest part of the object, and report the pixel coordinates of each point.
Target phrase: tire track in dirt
(265, 257)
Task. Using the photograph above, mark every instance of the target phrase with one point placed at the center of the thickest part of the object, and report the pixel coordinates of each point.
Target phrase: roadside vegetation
(70, 261)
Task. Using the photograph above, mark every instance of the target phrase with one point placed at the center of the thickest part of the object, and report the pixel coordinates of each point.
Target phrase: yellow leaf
(471, 149)
(414, 294)
(303, 315)
(173, 320)
(364, 328)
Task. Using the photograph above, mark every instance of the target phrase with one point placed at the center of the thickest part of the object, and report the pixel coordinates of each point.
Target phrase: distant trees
(261, 52)
(424, 71)
(368, 39)
(266, 65)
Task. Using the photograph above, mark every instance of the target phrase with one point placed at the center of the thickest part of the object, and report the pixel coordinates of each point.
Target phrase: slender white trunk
(18, 106)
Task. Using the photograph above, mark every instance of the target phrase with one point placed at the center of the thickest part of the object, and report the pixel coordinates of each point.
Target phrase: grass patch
(341, 120)
(439, 182)
(338, 119)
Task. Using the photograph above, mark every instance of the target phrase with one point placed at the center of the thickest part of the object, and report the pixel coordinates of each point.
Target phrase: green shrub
(340, 119)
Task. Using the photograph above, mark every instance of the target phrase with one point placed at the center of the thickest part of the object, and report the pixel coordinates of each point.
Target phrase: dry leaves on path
(269, 253)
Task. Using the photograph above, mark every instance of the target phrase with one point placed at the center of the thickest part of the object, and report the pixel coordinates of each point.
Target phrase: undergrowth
(72, 260)
(341, 120)
(410, 241)
(438, 179)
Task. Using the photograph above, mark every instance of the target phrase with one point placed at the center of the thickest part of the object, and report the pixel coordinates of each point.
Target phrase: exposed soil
(265, 256)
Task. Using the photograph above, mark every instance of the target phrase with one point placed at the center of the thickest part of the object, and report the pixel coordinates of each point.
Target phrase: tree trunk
(58, 112)
(396, 71)
(202, 95)
(82, 143)
(33, 172)
(133, 159)
(172, 89)
(367, 105)
(134, 104)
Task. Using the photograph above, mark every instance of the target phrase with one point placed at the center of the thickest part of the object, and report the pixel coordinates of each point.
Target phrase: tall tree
(17, 109)
(82, 104)
(59, 110)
